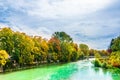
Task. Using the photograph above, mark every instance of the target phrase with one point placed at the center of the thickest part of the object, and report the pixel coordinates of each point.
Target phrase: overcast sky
(94, 22)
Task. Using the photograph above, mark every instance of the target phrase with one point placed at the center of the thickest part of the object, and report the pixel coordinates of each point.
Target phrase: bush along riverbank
(101, 63)
(113, 60)
(106, 64)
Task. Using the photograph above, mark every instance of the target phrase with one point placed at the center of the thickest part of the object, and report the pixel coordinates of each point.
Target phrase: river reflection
(88, 72)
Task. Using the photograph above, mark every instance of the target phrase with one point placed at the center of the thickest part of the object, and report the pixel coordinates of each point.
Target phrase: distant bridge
(102, 57)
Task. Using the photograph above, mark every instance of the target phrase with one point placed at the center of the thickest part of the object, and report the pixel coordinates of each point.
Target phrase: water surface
(81, 70)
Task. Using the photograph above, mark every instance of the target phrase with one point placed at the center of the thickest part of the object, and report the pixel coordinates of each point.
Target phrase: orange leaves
(55, 44)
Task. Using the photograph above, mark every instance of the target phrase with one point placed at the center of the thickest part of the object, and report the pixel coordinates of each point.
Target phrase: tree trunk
(1, 68)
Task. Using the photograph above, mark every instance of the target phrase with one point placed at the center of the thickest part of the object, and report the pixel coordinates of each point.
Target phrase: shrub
(104, 65)
(97, 63)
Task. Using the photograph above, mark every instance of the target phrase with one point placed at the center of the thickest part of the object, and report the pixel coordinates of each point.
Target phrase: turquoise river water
(81, 70)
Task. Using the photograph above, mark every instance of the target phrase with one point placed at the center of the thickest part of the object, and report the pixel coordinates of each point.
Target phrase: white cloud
(41, 31)
(66, 8)
(93, 28)
(43, 17)
(3, 25)
(58, 9)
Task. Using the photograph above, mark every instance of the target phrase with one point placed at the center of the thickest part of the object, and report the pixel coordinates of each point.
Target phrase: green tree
(115, 44)
(6, 41)
(62, 44)
(75, 53)
(62, 36)
(84, 48)
(66, 52)
(81, 55)
(97, 55)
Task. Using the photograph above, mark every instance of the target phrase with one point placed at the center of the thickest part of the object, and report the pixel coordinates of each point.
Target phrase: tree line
(19, 50)
(113, 60)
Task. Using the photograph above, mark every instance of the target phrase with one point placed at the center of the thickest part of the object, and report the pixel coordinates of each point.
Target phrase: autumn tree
(40, 50)
(37, 49)
(54, 48)
(91, 52)
(66, 47)
(114, 58)
(3, 57)
(23, 46)
(75, 54)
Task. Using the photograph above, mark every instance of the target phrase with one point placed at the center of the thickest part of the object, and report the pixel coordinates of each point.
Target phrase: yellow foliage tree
(3, 57)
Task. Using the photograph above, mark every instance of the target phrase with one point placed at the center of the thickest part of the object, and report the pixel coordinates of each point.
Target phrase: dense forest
(18, 50)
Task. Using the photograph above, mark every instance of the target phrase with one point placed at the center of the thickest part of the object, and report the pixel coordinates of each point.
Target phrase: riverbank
(29, 67)
(104, 63)
(39, 66)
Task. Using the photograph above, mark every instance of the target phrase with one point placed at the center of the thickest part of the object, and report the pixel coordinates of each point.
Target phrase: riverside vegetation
(113, 60)
(20, 51)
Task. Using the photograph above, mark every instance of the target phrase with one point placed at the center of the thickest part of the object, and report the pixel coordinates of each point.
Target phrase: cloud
(67, 8)
(57, 9)
(94, 22)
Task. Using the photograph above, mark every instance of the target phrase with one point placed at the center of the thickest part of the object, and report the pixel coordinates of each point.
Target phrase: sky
(93, 22)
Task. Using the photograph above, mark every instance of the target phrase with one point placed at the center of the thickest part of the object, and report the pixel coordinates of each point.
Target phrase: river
(80, 70)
